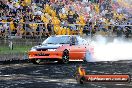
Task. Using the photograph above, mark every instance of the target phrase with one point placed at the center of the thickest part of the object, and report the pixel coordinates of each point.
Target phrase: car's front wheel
(65, 57)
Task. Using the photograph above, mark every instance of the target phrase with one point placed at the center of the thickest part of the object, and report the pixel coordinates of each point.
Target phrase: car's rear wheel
(36, 61)
(65, 57)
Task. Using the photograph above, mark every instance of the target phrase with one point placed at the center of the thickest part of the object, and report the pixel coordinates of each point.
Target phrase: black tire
(36, 61)
(82, 80)
(65, 57)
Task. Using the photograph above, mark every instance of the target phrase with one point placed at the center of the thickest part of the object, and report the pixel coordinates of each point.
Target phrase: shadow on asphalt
(23, 74)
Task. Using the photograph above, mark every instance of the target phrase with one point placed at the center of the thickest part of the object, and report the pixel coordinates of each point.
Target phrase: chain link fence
(18, 50)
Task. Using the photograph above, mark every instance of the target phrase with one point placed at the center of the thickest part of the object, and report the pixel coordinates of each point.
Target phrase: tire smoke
(111, 49)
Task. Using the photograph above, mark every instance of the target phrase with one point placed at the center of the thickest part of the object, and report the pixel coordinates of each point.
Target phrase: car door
(77, 51)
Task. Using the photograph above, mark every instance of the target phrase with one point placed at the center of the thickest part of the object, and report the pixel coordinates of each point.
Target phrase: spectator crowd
(46, 17)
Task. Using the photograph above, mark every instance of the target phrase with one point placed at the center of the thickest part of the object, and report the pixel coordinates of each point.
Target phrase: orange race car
(61, 48)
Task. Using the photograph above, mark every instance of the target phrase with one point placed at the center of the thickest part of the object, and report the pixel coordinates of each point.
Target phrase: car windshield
(57, 40)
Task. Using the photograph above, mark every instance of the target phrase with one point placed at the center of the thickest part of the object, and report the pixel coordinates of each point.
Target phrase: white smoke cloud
(106, 50)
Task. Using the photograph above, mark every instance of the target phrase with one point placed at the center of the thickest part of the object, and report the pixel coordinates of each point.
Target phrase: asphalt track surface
(53, 75)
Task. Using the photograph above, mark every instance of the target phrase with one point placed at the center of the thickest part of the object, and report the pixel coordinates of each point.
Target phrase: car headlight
(51, 49)
(33, 49)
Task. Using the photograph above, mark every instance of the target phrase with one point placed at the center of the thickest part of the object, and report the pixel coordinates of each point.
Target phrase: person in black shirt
(87, 28)
(15, 22)
(49, 27)
(70, 18)
(3, 6)
(75, 16)
(128, 31)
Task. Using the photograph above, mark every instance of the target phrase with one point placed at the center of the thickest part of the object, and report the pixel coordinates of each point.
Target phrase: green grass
(16, 49)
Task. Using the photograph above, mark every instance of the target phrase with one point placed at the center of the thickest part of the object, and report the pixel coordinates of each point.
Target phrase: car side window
(74, 40)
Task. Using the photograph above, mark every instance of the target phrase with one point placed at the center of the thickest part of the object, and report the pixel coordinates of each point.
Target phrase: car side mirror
(72, 43)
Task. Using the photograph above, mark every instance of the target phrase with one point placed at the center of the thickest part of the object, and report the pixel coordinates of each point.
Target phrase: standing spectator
(88, 28)
(1, 28)
(70, 17)
(75, 16)
(119, 31)
(50, 27)
(128, 32)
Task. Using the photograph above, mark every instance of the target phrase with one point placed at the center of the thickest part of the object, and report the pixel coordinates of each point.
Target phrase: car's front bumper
(45, 55)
